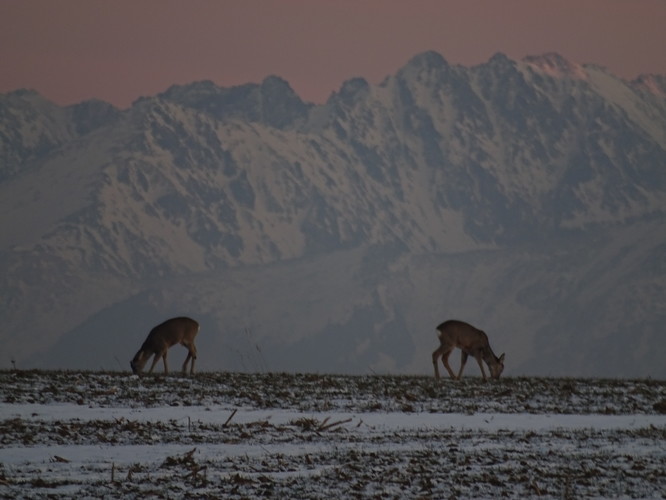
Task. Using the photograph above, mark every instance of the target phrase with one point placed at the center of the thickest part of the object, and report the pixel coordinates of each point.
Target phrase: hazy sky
(118, 50)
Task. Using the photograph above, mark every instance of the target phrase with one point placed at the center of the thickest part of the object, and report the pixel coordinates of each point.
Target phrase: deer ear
(501, 358)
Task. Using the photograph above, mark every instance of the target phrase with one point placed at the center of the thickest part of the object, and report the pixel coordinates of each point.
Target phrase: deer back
(173, 331)
(463, 336)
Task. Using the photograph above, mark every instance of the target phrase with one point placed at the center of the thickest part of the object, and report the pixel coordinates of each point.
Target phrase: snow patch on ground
(313, 436)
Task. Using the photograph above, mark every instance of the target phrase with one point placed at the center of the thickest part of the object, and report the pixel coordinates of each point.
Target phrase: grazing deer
(469, 340)
(161, 338)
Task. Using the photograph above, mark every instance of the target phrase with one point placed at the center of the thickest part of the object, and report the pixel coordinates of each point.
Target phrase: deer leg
(480, 361)
(463, 360)
(445, 361)
(193, 352)
(191, 356)
(156, 358)
(435, 359)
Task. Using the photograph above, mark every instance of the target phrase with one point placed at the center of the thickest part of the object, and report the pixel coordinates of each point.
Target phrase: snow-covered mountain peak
(428, 67)
(427, 59)
(655, 84)
(512, 194)
(350, 91)
(555, 65)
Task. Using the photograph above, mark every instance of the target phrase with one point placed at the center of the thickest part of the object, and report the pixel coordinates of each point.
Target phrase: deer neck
(489, 356)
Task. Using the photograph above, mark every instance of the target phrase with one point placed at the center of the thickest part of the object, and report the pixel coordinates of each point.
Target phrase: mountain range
(525, 197)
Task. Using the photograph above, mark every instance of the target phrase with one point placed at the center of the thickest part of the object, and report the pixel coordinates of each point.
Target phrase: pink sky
(119, 50)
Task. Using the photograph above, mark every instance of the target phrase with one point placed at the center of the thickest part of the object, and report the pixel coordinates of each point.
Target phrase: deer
(470, 341)
(173, 331)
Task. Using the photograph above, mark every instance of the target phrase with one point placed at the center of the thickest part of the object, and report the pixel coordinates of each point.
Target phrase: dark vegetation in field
(314, 392)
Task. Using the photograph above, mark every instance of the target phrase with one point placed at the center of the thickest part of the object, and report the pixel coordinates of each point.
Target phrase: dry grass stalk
(326, 426)
(229, 419)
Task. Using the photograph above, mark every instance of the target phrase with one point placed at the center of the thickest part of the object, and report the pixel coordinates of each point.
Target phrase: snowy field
(226, 435)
